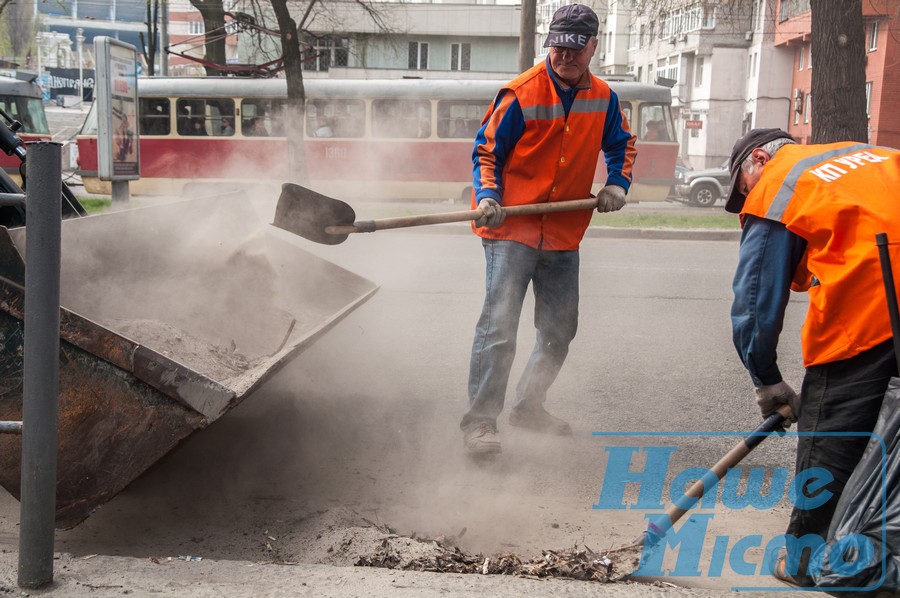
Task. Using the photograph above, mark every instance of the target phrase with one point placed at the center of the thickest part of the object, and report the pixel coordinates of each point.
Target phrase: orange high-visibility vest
(554, 160)
(837, 197)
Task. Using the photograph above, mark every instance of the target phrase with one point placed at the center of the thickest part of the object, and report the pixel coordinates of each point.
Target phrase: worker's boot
(536, 418)
(482, 439)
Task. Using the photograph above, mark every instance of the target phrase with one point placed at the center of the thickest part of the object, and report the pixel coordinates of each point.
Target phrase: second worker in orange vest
(809, 216)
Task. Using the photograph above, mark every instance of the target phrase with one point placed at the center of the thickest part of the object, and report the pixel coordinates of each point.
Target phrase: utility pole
(164, 38)
(526, 35)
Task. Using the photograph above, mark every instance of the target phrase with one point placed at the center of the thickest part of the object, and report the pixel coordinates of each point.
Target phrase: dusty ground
(288, 491)
(354, 449)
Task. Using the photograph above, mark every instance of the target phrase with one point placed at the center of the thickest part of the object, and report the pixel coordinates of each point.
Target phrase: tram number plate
(335, 153)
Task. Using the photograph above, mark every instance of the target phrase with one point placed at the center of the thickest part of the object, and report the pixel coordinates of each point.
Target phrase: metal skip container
(171, 316)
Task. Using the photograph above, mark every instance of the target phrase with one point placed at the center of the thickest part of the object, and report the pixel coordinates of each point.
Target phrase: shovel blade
(306, 213)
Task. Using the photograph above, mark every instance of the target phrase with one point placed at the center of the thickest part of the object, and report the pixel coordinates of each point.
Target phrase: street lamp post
(39, 40)
(79, 38)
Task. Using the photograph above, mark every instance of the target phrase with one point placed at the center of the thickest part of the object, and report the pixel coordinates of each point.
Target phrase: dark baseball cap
(743, 148)
(572, 26)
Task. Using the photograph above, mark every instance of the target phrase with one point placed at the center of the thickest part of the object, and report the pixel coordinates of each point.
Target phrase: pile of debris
(441, 556)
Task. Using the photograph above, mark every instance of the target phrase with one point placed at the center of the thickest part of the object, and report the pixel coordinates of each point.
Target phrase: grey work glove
(493, 216)
(771, 397)
(611, 199)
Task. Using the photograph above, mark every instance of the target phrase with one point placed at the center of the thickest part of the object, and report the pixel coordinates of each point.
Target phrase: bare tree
(18, 26)
(150, 45)
(839, 79)
(312, 16)
(213, 13)
(4, 4)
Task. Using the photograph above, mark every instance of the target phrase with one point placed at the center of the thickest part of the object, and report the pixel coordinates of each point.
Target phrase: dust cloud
(351, 438)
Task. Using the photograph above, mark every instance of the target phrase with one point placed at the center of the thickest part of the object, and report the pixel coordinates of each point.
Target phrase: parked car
(702, 188)
(680, 171)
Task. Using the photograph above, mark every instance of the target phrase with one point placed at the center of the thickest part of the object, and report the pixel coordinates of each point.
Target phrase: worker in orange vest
(539, 142)
(809, 216)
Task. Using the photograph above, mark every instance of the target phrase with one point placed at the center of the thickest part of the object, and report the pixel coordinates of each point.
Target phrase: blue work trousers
(511, 266)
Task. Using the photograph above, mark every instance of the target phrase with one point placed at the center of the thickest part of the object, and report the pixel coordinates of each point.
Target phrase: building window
(873, 36)
(868, 98)
(418, 56)
(326, 52)
(807, 109)
(632, 38)
(800, 58)
(709, 17)
(195, 27)
(460, 57)
(809, 58)
(698, 79)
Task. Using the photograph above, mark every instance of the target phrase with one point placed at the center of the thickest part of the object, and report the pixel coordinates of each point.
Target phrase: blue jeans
(511, 267)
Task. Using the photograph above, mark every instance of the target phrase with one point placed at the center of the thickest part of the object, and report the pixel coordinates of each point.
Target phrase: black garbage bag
(862, 550)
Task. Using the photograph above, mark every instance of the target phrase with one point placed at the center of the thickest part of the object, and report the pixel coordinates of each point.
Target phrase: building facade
(709, 54)
(881, 18)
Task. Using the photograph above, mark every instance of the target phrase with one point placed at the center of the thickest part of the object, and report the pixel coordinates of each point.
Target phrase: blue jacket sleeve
(769, 254)
(495, 140)
(618, 145)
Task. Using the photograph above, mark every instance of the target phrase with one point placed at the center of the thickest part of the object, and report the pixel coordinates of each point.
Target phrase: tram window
(155, 116)
(190, 117)
(262, 118)
(653, 123)
(335, 118)
(462, 119)
(220, 115)
(626, 110)
(401, 118)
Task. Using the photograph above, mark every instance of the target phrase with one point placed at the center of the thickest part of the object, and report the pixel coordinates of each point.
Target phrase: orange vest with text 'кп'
(554, 160)
(837, 197)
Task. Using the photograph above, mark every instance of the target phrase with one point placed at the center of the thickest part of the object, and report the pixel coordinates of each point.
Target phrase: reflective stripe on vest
(554, 160)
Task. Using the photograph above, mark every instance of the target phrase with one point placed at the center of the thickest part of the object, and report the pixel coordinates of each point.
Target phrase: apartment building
(726, 75)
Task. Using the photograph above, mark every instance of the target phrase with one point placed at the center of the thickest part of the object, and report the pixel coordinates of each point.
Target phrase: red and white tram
(380, 139)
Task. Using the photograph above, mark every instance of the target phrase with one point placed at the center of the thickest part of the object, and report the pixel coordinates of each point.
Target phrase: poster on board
(118, 148)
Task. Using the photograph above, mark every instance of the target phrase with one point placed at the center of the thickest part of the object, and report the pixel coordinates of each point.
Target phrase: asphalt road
(653, 355)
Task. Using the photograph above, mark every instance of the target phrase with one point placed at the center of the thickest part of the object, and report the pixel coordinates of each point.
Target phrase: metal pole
(79, 37)
(41, 365)
(526, 34)
(887, 273)
(164, 38)
(39, 40)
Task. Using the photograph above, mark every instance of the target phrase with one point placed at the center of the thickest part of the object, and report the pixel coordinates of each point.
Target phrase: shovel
(656, 530)
(330, 221)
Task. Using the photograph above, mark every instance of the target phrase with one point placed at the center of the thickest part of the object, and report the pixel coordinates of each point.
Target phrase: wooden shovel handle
(369, 226)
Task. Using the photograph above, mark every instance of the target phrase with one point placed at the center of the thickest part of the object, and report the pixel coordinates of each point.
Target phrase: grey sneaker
(482, 439)
(538, 420)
